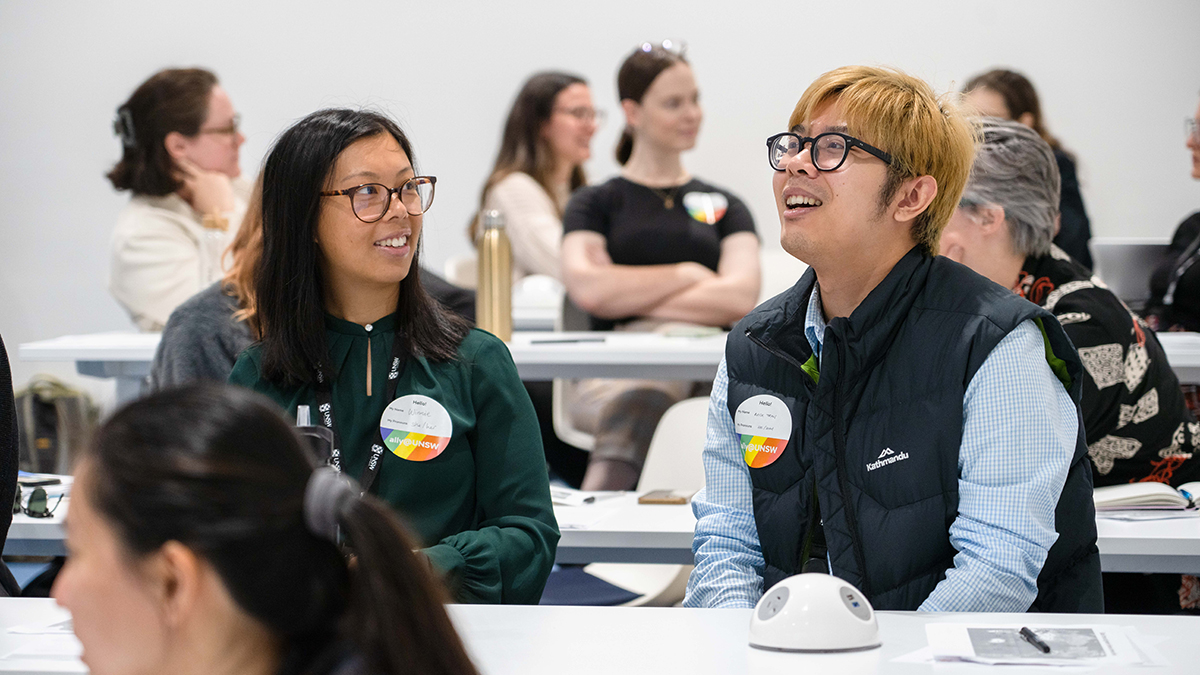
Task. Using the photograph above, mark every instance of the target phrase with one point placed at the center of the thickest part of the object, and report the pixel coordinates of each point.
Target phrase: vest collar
(873, 323)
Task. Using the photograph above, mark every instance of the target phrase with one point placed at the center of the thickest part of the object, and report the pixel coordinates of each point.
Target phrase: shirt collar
(814, 321)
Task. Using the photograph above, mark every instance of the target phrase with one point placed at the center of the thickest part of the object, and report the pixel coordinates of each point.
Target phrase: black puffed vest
(875, 436)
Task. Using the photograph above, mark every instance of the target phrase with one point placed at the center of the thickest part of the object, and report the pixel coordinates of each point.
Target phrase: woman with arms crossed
(651, 246)
(430, 414)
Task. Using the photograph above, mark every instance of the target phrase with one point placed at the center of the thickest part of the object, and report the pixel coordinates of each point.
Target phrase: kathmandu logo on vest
(888, 456)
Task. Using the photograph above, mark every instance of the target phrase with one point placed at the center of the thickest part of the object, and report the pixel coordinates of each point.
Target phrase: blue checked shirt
(1019, 427)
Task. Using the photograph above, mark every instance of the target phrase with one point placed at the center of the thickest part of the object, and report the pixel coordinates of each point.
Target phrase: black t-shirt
(641, 230)
(1185, 312)
(1075, 229)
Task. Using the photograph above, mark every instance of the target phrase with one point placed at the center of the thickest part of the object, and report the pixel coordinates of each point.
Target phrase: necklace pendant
(669, 203)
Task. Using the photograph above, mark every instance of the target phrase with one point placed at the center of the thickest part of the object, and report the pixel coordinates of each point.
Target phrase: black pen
(1033, 639)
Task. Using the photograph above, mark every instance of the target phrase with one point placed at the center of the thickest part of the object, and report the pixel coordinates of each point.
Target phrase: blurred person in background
(547, 138)
(652, 247)
(180, 138)
(1175, 284)
(1010, 95)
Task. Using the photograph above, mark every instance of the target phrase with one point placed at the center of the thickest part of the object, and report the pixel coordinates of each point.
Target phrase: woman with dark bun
(180, 139)
(1010, 96)
(427, 413)
(648, 248)
(203, 539)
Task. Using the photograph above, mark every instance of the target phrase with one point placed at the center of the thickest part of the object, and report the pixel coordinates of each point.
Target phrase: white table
(529, 640)
(1183, 353)
(618, 529)
(546, 356)
(125, 357)
(621, 530)
(539, 355)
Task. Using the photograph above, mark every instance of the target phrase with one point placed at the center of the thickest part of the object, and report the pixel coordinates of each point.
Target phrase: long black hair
(290, 287)
(217, 469)
(523, 147)
(175, 99)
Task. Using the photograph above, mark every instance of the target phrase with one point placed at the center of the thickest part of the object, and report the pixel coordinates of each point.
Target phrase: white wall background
(1116, 78)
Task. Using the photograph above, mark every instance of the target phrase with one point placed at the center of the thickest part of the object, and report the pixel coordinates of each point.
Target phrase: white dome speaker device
(814, 613)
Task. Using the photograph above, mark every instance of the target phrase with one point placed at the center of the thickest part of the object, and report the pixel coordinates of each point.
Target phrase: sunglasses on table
(38, 504)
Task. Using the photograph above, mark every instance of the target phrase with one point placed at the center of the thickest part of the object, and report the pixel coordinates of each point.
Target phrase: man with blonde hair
(894, 419)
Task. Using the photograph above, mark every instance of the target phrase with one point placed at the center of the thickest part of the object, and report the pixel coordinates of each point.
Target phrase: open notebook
(1147, 496)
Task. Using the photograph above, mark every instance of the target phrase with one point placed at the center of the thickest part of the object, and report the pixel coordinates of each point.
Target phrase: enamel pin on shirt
(706, 207)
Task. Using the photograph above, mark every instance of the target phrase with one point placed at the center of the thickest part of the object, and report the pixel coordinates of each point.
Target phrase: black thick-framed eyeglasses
(370, 201)
(829, 150)
(38, 505)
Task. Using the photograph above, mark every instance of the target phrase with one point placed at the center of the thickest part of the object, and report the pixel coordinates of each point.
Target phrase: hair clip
(123, 127)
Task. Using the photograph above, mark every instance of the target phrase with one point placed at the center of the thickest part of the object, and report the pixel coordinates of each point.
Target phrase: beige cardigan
(534, 226)
(160, 252)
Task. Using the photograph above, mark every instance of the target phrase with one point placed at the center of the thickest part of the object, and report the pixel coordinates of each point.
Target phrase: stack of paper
(1070, 645)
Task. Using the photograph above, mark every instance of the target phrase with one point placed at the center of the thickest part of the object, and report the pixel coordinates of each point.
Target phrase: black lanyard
(1189, 257)
(324, 392)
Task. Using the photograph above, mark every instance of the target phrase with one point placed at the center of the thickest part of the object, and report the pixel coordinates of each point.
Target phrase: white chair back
(673, 461)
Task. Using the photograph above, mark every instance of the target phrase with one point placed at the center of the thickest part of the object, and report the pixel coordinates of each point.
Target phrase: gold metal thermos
(493, 295)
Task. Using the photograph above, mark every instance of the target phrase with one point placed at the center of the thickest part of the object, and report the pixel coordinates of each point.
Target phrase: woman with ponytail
(203, 539)
(651, 246)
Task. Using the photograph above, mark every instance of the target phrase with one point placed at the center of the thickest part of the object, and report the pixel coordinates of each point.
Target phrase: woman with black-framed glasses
(179, 138)
(426, 413)
(1175, 285)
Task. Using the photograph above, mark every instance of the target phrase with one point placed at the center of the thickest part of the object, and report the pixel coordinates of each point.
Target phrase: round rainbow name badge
(416, 428)
(706, 207)
(764, 425)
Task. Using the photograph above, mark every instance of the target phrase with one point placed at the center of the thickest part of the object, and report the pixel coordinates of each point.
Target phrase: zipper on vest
(806, 551)
(839, 443)
(809, 380)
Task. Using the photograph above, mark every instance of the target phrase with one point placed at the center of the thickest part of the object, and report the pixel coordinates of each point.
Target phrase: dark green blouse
(483, 504)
